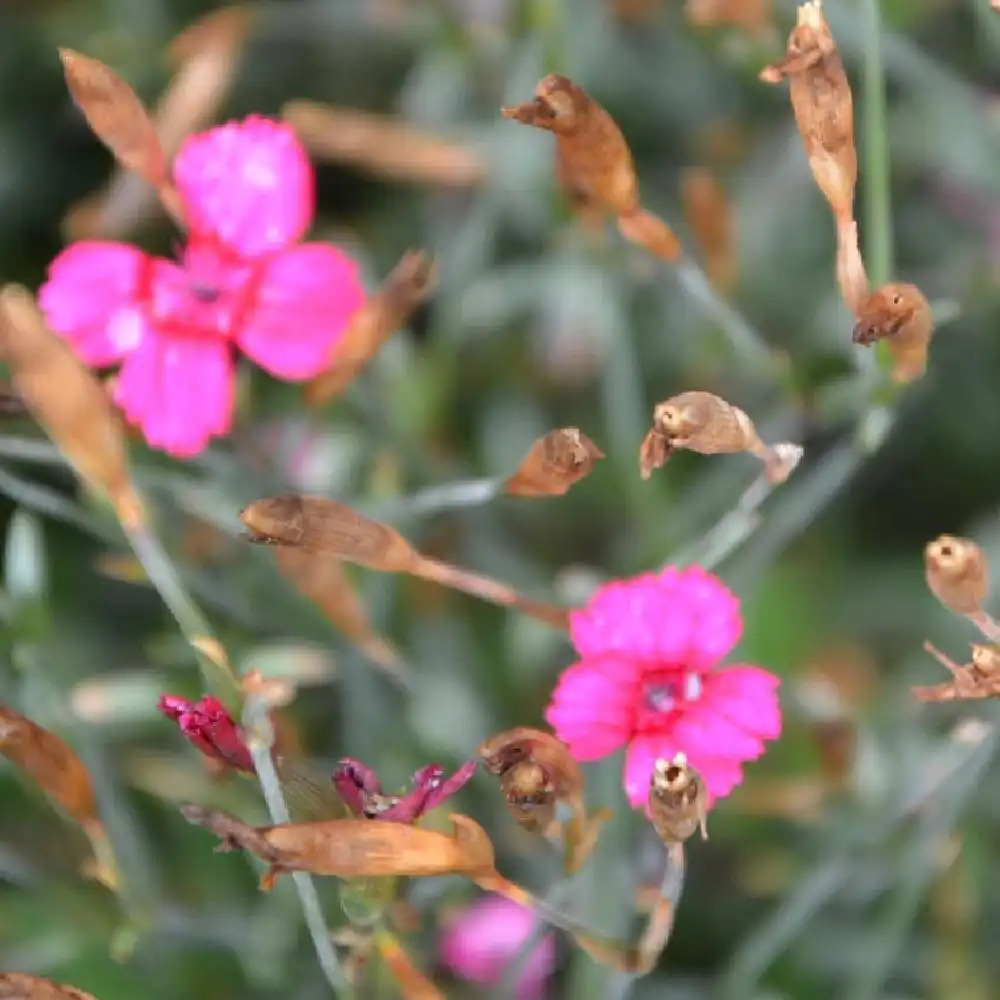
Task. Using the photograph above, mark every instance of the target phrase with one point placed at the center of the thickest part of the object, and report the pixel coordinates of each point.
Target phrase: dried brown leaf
(21, 986)
(957, 573)
(899, 314)
(407, 285)
(712, 221)
(383, 145)
(822, 104)
(66, 397)
(593, 161)
(555, 463)
(977, 679)
(353, 848)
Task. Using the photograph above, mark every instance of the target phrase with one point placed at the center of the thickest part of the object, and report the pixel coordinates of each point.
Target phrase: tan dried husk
(388, 309)
(21, 986)
(67, 399)
(712, 220)
(678, 800)
(593, 161)
(977, 679)
(957, 573)
(383, 145)
(899, 314)
(554, 463)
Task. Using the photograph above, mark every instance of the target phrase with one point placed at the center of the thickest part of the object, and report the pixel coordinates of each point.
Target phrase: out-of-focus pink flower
(645, 679)
(482, 940)
(243, 280)
(361, 790)
(208, 725)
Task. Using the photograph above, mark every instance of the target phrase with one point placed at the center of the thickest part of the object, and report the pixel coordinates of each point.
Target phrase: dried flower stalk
(64, 396)
(413, 984)
(383, 146)
(957, 573)
(21, 986)
(353, 848)
(711, 219)
(900, 315)
(593, 160)
(406, 287)
(331, 528)
(555, 463)
(707, 424)
(979, 678)
(120, 120)
(536, 773)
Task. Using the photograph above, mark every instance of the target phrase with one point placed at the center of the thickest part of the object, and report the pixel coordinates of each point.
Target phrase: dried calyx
(555, 463)
(900, 315)
(957, 573)
(678, 800)
(707, 424)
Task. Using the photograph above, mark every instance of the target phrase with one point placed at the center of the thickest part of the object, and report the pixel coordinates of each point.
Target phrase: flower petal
(747, 696)
(701, 731)
(686, 618)
(179, 390)
(592, 706)
(304, 300)
(90, 298)
(249, 184)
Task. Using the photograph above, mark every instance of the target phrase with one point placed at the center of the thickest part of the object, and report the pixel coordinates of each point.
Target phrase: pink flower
(208, 725)
(645, 679)
(243, 280)
(480, 942)
(361, 790)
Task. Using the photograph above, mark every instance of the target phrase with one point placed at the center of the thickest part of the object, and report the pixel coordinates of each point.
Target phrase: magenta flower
(243, 280)
(645, 679)
(211, 728)
(361, 790)
(480, 942)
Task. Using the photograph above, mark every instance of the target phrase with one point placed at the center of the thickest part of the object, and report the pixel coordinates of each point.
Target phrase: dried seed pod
(383, 145)
(555, 462)
(678, 800)
(711, 219)
(707, 424)
(353, 848)
(593, 161)
(382, 315)
(978, 679)
(64, 396)
(822, 104)
(957, 573)
(899, 314)
(21, 986)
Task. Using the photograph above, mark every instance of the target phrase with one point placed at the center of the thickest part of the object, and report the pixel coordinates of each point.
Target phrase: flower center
(666, 691)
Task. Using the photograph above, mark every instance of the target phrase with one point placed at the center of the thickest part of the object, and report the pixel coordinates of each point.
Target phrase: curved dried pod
(21, 986)
(899, 314)
(678, 800)
(822, 104)
(707, 424)
(353, 848)
(555, 463)
(957, 573)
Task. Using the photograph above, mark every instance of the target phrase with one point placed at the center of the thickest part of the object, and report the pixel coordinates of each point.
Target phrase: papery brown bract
(407, 285)
(67, 399)
(957, 573)
(554, 463)
(899, 314)
(353, 848)
(383, 145)
(21, 986)
(678, 800)
(593, 160)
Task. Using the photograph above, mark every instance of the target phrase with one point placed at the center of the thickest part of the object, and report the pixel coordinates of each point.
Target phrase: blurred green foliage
(888, 886)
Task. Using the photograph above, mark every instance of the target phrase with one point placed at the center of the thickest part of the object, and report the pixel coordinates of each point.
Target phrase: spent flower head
(208, 725)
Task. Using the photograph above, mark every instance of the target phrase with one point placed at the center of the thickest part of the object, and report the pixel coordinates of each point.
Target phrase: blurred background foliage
(860, 858)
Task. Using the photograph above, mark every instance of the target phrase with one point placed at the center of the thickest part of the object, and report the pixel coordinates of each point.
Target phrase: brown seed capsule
(678, 800)
(978, 679)
(899, 314)
(555, 463)
(957, 573)
(382, 315)
(21, 986)
(822, 104)
(593, 161)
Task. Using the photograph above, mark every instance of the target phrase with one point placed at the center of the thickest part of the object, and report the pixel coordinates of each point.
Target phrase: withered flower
(707, 424)
(900, 315)
(361, 791)
(21, 986)
(978, 679)
(678, 800)
(555, 463)
(407, 285)
(353, 848)
(593, 160)
(208, 726)
(957, 573)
